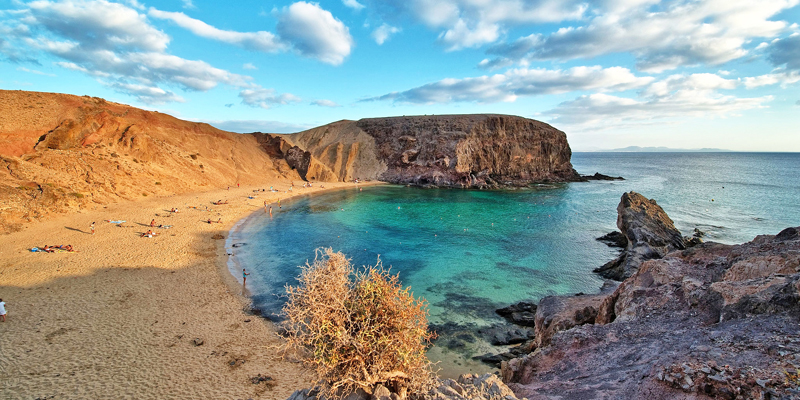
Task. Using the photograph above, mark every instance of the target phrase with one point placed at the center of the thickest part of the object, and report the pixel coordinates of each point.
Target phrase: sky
(610, 73)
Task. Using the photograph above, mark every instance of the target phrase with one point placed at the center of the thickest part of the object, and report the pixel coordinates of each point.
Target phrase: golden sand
(119, 317)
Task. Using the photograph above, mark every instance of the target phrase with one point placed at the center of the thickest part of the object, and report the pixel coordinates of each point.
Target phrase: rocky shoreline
(688, 320)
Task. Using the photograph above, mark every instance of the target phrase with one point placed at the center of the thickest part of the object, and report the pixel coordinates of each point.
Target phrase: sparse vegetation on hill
(358, 330)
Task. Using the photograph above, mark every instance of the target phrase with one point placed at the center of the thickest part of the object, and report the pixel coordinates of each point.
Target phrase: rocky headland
(690, 320)
(461, 151)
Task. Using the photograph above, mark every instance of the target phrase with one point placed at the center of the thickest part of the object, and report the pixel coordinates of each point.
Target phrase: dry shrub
(358, 329)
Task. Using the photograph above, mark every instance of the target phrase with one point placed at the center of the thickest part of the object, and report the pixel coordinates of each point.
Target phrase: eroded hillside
(61, 153)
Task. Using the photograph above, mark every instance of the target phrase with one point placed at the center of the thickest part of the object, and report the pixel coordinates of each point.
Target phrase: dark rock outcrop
(464, 151)
(614, 239)
(522, 313)
(601, 177)
(650, 234)
(710, 321)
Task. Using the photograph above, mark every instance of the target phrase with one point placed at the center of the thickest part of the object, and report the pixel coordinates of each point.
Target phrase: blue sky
(610, 73)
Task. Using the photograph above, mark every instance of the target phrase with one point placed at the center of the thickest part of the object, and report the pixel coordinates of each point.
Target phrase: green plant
(357, 329)
(78, 195)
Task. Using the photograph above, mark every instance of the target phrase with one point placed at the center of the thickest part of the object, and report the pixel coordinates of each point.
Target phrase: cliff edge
(463, 151)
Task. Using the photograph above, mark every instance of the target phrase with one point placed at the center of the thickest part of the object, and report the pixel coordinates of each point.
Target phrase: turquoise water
(470, 252)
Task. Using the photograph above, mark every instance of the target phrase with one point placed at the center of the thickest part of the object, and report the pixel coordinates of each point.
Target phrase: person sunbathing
(149, 234)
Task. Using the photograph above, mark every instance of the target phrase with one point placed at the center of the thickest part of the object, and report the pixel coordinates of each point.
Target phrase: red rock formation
(61, 152)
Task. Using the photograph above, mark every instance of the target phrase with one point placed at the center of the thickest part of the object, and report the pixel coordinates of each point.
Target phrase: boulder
(650, 234)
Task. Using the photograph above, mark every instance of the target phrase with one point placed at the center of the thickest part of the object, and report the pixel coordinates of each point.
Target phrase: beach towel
(115, 222)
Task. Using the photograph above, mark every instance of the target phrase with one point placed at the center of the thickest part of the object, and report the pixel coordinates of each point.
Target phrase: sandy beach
(122, 316)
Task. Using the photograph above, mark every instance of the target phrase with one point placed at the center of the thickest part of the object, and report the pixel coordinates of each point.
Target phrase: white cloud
(248, 126)
(782, 78)
(249, 66)
(460, 35)
(676, 97)
(116, 44)
(188, 4)
(353, 4)
(266, 98)
(325, 103)
(382, 33)
(98, 24)
(33, 71)
(152, 95)
(520, 82)
(257, 41)
(472, 23)
(660, 36)
(314, 32)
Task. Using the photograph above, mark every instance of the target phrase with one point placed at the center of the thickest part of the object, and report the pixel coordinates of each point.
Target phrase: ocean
(468, 252)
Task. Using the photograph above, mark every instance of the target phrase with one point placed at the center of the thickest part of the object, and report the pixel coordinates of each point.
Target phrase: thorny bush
(358, 329)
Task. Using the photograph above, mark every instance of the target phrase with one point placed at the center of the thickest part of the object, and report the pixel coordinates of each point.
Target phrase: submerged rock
(522, 313)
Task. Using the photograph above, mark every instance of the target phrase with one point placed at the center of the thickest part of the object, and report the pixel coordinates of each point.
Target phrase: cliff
(465, 151)
(61, 153)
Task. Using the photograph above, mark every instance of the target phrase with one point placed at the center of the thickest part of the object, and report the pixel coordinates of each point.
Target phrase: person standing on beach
(2, 310)
(270, 211)
(244, 277)
(265, 206)
(153, 222)
(92, 226)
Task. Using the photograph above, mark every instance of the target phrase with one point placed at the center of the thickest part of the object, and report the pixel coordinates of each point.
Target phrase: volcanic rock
(650, 234)
(463, 151)
(614, 239)
(522, 313)
(667, 331)
(601, 177)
